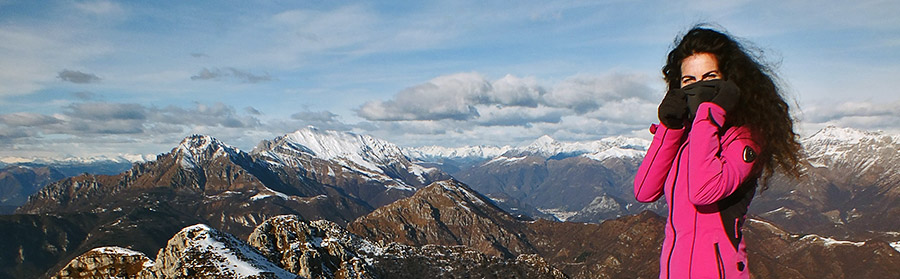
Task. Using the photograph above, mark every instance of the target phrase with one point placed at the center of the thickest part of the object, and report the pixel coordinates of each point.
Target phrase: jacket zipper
(672, 209)
(720, 265)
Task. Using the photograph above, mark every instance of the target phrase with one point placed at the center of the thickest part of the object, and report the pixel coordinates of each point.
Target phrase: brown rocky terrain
(447, 213)
(288, 247)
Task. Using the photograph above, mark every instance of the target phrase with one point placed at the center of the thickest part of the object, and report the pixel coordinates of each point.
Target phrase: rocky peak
(197, 150)
(202, 252)
(446, 213)
(313, 249)
(106, 262)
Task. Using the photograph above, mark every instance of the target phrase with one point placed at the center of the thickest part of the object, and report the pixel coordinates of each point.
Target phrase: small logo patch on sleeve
(749, 154)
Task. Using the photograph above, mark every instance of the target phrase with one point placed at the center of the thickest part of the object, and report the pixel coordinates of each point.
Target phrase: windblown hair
(761, 107)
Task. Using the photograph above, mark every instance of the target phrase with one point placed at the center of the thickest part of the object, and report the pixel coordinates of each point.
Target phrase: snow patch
(559, 213)
(828, 242)
(271, 193)
(117, 251)
(504, 160)
(238, 258)
(615, 152)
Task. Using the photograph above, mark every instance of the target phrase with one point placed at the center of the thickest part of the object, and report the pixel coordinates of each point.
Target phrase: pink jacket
(707, 177)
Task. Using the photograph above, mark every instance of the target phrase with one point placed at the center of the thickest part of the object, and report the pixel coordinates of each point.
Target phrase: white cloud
(861, 115)
(517, 116)
(467, 104)
(584, 94)
(446, 97)
(514, 91)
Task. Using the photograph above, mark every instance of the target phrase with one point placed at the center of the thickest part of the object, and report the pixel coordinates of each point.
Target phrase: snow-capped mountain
(480, 152)
(72, 160)
(196, 150)
(368, 168)
(545, 146)
(348, 149)
(851, 181)
(865, 155)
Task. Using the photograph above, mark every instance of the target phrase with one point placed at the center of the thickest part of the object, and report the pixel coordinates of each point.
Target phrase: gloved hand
(727, 95)
(673, 109)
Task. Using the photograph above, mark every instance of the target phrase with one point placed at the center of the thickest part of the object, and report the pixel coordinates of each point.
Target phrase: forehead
(699, 63)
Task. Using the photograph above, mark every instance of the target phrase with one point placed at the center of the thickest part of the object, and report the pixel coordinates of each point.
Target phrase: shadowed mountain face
(19, 182)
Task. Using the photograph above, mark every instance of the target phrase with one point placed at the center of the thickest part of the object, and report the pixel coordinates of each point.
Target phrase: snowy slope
(202, 249)
(334, 153)
(855, 153)
(545, 146)
(195, 149)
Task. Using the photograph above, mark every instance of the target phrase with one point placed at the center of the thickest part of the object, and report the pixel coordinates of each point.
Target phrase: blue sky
(90, 78)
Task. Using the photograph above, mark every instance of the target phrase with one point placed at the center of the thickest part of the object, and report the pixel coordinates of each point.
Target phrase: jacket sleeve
(716, 168)
(651, 175)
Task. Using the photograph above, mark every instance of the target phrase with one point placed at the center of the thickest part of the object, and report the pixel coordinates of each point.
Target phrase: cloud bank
(469, 105)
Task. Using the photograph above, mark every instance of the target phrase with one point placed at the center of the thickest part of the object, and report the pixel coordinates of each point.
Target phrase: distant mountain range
(419, 198)
(574, 181)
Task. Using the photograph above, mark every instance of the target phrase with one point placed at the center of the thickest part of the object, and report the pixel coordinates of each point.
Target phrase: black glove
(728, 95)
(699, 92)
(673, 109)
(724, 93)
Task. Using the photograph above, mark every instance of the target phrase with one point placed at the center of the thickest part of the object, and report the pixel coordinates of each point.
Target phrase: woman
(724, 125)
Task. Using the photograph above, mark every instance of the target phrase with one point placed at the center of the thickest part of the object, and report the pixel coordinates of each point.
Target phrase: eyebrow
(710, 72)
(704, 74)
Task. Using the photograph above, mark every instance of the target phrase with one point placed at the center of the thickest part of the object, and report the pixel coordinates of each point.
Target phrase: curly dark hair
(762, 107)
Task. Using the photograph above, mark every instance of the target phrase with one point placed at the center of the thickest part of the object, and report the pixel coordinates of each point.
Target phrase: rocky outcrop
(105, 262)
(447, 213)
(318, 249)
(202, 252)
